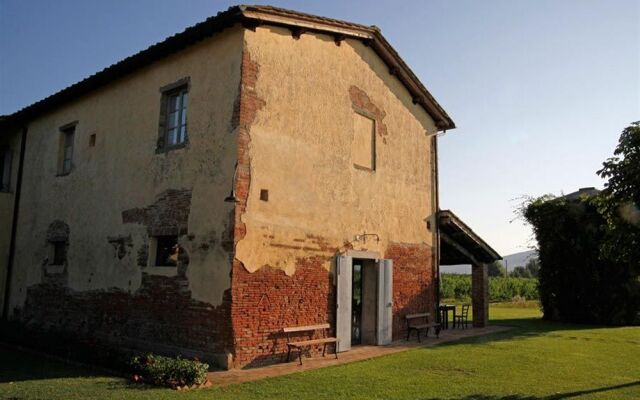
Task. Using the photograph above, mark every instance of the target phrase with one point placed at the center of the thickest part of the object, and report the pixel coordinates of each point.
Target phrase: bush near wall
(168, 371)
(455, 286)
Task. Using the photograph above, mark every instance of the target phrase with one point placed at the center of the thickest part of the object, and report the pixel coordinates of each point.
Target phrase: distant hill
(519, 259)
(511, 261)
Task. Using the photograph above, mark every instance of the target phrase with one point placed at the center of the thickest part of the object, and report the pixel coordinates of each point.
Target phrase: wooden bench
(417, 322)
(300, 345)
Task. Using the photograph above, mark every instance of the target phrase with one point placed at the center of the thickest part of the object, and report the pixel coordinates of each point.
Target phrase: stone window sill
(161, 271)
(54, 269)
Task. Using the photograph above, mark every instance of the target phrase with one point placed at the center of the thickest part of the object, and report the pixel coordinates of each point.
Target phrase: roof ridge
(371, 35)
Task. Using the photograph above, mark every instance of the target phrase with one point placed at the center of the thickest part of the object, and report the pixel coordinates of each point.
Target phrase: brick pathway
(223, 378)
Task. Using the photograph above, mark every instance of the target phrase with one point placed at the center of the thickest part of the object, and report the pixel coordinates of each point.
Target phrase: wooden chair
(463, 319)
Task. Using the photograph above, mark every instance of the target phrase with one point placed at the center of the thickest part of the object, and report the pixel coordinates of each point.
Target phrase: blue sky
(540, 90)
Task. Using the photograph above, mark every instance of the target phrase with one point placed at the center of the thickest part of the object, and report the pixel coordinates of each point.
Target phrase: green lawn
(534, 360)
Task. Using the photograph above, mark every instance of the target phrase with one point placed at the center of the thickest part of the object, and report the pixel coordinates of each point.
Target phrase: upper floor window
(5, 169)
(68, 133)
(173, 115)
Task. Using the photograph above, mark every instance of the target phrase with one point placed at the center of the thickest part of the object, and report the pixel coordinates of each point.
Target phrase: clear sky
(540, 90)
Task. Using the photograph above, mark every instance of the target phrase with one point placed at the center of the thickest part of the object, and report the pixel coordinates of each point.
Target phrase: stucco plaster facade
(272, 115)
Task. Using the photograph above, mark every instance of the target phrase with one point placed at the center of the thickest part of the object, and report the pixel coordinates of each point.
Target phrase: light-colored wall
(124, 172)
(12, 139)
(301, 152)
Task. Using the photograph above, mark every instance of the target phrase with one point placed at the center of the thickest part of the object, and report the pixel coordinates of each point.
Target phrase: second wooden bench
(417, 322)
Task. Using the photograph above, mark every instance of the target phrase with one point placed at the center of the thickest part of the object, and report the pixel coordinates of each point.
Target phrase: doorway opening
(364, 302)
(364, 292)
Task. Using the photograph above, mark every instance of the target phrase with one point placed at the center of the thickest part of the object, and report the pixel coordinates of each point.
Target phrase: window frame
(159, 251)
(5, 154)
(180, 88)
(58, 252)
(66, 131)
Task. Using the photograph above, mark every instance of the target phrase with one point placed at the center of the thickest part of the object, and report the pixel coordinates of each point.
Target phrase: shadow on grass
(526, 328)
(25, 365)
(557, 396)
(18, 365)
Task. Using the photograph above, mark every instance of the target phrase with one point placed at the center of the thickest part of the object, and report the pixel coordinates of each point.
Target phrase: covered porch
(460, 245)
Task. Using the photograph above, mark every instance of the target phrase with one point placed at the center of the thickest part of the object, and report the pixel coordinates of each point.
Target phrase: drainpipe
(14, 226)
(437, 225)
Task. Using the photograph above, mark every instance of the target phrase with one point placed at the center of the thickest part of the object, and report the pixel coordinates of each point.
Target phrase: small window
(176, 118)
(66, 151)
(59, 250)
(173, 115)
(5, 169)
(167, 251)
(92, 140)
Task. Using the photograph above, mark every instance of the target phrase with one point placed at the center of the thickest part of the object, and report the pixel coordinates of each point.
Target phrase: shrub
(167, 371)
(589, 247)
(454, 286)
(579, 282)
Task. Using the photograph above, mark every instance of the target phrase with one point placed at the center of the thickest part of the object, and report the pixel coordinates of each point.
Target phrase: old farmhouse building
(264, 168)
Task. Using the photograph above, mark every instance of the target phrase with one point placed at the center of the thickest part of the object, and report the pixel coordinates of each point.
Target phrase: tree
(496, 269)
(533, 267)
(589, 248)
(619, 202)
(520, 272)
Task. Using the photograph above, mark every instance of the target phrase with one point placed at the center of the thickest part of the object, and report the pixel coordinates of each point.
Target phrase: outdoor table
(444, 315)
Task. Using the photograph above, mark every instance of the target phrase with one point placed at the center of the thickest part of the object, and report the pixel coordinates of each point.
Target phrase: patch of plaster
(121, 245)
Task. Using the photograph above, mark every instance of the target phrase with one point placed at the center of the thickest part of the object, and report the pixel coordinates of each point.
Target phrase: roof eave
(447, 216)
(250, 16)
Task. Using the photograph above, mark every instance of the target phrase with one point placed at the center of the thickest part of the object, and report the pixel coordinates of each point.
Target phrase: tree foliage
(530, 270)
(496, 269)
(455, 286)
(533, 267)
(520, 272)
(619, 202)
(589, 248)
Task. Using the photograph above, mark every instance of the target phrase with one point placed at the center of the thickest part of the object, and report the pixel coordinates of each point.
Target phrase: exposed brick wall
(480, 294)
(267, 300)
(413, 288)
(245, 110)
(168, 215)
(160, 316)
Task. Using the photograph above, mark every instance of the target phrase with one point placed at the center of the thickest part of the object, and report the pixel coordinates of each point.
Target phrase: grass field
(534, 360)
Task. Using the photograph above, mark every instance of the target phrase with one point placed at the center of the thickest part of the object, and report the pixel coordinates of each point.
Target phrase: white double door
(344, 302)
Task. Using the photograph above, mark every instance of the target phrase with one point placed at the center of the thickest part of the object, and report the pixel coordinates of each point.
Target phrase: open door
(385, 302)
(343, 302)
